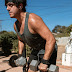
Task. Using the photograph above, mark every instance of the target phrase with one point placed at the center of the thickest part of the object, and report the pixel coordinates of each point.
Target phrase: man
(32, 30)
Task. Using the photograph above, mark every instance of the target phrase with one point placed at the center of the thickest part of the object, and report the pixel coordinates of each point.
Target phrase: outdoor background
(57, 15)
(53, 12)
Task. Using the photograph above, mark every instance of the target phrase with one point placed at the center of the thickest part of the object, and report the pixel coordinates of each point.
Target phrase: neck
(21, 17)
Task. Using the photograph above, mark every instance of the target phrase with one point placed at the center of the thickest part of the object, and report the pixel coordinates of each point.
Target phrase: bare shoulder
(33, 17)
(35, 20)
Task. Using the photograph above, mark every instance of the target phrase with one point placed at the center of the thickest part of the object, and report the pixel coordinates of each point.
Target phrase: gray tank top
(33, 40)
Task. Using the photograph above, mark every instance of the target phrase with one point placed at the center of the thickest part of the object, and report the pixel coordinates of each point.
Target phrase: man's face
(12, 9)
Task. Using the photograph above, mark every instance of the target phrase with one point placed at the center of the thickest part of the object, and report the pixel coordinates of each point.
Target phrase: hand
(43, 67)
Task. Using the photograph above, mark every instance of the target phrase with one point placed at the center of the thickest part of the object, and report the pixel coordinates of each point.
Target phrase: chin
(12, 17)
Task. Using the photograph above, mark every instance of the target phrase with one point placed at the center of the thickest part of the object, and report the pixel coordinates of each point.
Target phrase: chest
(22, 27)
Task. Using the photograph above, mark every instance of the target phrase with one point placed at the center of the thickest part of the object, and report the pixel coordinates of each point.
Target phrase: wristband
(19, 55)
(45, 61)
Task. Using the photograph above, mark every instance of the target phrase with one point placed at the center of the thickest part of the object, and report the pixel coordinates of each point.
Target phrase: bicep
(42, 29)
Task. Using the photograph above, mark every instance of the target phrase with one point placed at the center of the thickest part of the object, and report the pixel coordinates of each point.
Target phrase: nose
(8, 8)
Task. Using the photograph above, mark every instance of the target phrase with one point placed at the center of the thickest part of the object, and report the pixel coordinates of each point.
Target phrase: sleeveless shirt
(33, 40)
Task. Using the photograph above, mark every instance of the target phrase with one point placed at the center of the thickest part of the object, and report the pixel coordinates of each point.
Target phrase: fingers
(43, 67)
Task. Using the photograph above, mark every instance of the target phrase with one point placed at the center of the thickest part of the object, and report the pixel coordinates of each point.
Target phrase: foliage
(2, 32)
(69, 29)
(62, 30)
(61, 35)
(59, 29)
(6, 41)
(15, 45)
(28, 50)
(9, 42)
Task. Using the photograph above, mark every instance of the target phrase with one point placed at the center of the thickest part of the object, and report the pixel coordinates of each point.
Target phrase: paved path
(4, 66)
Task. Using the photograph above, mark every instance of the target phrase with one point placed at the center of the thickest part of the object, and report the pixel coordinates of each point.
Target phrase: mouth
(10, 13)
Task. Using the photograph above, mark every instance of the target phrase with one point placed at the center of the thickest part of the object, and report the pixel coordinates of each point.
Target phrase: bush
(28, 50)
(15, 46)
(9, 42)
(6, 41)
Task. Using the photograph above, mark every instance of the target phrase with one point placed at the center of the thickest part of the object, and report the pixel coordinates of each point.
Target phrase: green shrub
(6, 41)
(28, 50)
(15, 46)
(9, 42)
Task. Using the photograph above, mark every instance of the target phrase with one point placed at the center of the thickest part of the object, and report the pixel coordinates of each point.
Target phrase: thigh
(33, 56)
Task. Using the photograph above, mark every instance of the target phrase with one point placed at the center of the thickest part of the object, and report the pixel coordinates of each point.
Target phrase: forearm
(20, 46)
(49, 47)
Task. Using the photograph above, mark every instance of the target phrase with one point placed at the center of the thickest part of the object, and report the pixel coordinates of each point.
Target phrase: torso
(21, 27)
(29, 35)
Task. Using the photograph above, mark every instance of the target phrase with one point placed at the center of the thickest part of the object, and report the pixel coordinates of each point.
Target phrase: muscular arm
(20, 43)
(39, 27)
(20, 46)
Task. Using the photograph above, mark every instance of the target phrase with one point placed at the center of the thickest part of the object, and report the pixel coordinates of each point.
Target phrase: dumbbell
(14, 61)
(34, 65)
(11, 60)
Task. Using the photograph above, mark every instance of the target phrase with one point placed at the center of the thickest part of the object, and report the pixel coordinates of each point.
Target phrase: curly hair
(17, 2)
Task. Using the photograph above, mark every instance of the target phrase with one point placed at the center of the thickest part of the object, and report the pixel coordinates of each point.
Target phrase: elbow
(51, 40)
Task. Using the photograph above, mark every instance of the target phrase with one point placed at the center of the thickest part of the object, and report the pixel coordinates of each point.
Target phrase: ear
(20, 6)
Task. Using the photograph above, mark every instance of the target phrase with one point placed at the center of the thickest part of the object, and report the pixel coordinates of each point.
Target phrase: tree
(69, 29)
(57, 29)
